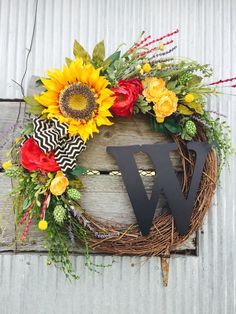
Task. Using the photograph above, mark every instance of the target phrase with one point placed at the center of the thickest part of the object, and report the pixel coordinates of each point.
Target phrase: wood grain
(7, 226)
(8, 128)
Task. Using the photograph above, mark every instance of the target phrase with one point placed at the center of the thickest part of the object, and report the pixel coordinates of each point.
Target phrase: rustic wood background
(104, 195)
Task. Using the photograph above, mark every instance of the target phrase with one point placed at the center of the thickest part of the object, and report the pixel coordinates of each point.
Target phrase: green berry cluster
(185, 78)
(59, 214)
(189, 130)
(74, 194)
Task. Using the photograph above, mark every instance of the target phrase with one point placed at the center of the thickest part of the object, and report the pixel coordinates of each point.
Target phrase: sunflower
(77, 95)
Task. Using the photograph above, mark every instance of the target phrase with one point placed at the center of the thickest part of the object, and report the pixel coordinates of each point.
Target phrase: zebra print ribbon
(51, 135)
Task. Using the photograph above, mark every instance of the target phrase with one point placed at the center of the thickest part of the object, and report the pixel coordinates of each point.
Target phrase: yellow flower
(165, 105)
(59, 184)
(43, 225)
(162, 47)
(146, 68)
(7, 164)
(189, 98)
(77, 95)
(159, 66)
(152, 88)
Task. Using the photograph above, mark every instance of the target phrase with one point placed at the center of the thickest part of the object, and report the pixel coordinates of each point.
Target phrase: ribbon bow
(51, 135)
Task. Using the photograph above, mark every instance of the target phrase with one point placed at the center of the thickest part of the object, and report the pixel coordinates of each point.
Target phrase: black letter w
(166, 180)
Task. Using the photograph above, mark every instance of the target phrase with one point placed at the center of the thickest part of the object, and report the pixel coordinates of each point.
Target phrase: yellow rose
(59, 184)
(7, 164)
(153, 86)
(165, 105)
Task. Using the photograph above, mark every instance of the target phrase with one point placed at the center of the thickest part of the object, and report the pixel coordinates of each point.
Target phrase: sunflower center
(77, 101)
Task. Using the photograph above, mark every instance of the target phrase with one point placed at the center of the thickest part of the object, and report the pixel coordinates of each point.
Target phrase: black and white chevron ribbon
(51, 135)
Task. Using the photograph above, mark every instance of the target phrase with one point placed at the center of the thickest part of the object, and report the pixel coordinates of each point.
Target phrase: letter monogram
(166, 181)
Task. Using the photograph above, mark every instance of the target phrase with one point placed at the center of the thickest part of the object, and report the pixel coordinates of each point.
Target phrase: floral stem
(44, 205)
(26, 228)
(27, 213)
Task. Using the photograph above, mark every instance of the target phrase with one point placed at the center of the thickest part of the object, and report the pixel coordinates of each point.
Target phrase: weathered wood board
(104, 196)
(7, 226)
(8, 129)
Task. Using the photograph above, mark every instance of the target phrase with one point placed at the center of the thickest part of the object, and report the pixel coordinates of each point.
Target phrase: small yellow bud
(7, 164)
(42, 225)
(146, 68)
(159, 66)
(17, 140)
(189, 98)
(161, 47)
(160, 120)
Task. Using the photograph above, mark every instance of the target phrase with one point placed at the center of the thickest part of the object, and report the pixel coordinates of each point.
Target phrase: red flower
(33, 158)
(126, 94)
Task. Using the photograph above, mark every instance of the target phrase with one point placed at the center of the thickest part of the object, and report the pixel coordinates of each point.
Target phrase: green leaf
(76, 172)
(172, 126)
(196, 106)
(79, 51)
(171, 85)
(27, 202)
(28, 129)
(184, 110)
(158, 127)
(68, 61)
(111, 59)
(33, 106)
(99, 53)
(76, 183)
(142, 105)
(195, 81)
(38, 83)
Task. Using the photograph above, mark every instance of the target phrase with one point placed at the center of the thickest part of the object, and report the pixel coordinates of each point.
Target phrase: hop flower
(59, 214)
(190, 128)
(73, 194)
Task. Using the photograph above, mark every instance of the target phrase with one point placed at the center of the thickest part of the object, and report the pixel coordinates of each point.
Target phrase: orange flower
(59, 184)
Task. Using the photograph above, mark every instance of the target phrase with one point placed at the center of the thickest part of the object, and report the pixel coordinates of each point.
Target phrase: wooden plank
(133, 131)
(8, 117)
(7, 227)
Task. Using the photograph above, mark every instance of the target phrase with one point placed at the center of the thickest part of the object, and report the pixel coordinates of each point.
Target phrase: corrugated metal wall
(204, 284)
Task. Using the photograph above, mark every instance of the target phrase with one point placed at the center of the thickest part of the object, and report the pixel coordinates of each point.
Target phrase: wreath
(82, 97)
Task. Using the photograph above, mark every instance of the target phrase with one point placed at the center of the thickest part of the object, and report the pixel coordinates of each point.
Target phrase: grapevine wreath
(82, 97)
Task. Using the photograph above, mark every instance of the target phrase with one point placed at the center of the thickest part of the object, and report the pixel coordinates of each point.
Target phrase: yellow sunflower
(77, 95)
